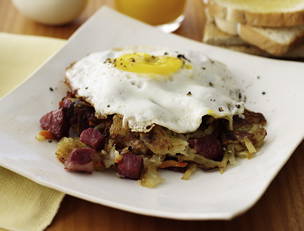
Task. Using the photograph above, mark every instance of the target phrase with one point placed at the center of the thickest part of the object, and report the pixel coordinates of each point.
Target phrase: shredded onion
(249, 146)
(189, 172)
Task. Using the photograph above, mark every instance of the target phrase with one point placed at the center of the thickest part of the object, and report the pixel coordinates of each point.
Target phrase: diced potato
(65, 146)
(151, 177)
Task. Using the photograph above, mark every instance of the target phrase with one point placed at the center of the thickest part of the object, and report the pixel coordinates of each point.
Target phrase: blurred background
(13, 21)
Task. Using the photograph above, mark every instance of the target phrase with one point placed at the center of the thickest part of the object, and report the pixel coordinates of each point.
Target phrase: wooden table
(281, 207)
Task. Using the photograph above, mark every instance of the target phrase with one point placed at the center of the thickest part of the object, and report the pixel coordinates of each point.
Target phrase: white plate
(206, 195)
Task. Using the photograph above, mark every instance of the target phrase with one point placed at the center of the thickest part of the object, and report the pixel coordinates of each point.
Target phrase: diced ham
(66, 103)
(130, 166)
(208, 146)
(55, 122)
(81, 160)
(92, 137)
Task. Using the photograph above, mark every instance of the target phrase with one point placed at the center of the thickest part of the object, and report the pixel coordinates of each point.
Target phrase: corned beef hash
(139, 110)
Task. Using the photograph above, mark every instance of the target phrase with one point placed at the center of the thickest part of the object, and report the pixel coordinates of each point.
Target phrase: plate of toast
(265, 28)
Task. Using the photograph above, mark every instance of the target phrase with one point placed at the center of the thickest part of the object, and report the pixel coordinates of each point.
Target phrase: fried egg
(149, 86)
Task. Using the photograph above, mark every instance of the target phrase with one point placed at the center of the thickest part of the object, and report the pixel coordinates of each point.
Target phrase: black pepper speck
(181, 56)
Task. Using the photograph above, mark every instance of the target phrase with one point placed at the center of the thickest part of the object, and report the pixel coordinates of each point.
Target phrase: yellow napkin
(24, 205)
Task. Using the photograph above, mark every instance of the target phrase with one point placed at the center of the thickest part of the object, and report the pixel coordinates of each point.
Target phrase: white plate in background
(207, 195)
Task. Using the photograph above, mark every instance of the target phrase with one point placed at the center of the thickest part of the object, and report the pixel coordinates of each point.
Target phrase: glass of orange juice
(165, 14)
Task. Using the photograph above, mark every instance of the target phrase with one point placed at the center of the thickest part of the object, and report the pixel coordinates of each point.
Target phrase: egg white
(176, 102)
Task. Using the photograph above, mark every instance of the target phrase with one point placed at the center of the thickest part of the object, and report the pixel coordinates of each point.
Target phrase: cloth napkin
(24, 205)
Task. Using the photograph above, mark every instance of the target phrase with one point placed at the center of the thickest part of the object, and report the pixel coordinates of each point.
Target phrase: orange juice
(154, 12)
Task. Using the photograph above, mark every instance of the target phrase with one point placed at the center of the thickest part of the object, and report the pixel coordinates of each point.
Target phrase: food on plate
(266, 28)
(138, 110)
(274, 13)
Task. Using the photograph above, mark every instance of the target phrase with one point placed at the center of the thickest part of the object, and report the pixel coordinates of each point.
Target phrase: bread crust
(226, 26)
(275, 19)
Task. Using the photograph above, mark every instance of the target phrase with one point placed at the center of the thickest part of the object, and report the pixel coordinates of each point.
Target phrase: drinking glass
(164, 14)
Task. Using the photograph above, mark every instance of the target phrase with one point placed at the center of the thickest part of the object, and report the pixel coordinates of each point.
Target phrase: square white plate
(206, 195)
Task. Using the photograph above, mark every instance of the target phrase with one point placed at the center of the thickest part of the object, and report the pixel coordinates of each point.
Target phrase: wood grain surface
(281, 207)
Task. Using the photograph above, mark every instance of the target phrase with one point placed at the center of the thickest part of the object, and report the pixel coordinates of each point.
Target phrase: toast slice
(215, 36)
(295, 54)
(272, 40)
(261, 13)
(275, 41)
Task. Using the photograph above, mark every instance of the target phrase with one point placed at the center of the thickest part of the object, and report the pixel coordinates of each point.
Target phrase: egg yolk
(143, 63)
